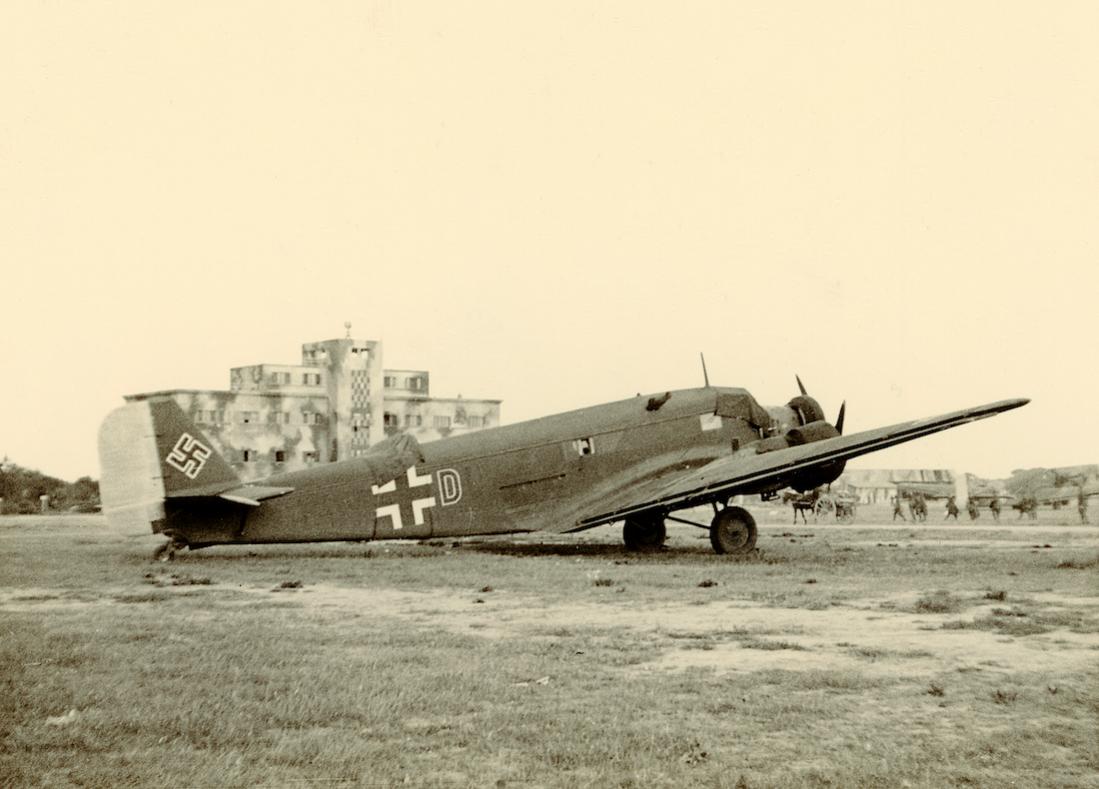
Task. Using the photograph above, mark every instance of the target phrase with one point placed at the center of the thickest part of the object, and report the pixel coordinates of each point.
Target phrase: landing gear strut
(733, 531)
(644, 532)
(167, 551)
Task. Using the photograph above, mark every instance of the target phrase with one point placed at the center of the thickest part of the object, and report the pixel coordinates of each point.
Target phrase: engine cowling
(808, 433)
(816, 430)
(807, 409)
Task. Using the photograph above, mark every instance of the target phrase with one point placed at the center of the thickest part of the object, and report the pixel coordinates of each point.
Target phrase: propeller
(843, 405)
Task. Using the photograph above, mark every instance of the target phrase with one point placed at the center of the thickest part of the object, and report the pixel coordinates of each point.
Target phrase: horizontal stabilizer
(252, 495)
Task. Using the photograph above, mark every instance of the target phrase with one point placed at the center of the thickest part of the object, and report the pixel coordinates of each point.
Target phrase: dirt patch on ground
(736, 636)
(876, 636)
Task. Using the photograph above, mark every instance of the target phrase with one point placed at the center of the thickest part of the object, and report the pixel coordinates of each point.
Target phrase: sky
(558, 204)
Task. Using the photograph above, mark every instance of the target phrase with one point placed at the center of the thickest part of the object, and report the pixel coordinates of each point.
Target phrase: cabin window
(584, 446)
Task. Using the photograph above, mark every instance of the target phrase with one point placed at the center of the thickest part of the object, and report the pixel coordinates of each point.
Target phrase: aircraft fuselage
(529, 476)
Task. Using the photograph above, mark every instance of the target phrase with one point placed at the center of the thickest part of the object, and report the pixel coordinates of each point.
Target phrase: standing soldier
(995, 507)
(1082, 506)
(897, 509)
(971, 508)
(951, 509)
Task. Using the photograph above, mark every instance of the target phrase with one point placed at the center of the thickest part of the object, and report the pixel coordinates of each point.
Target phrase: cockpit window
(743, 406)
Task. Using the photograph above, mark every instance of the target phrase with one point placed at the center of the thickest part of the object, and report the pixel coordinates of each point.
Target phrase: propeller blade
(839, 419)
(801, 386)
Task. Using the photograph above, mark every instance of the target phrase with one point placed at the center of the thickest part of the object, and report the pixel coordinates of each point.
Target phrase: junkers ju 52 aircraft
(637, 461)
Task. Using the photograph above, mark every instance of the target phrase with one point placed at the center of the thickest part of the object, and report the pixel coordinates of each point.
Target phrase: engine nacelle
(805, 481)
(813, 431)
(817, 430)
(807, 409)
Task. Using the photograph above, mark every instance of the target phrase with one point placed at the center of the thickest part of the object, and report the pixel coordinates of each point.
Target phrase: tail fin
(189, 465)
(150, 451)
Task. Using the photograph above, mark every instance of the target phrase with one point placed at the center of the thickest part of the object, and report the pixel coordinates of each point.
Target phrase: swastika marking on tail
(189, 455)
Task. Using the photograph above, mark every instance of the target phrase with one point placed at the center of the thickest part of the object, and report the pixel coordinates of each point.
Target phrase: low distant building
(332, 406)
(874, 486)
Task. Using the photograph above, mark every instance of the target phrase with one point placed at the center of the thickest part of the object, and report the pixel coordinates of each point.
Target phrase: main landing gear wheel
(167, 551)
(733, 531)
(645, 532)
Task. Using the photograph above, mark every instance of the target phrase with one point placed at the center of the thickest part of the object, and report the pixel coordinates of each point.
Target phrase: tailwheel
(733, 530)
(644, 532)
(167, 551)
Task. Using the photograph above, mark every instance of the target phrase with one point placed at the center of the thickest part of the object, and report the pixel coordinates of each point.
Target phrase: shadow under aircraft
(637, 461)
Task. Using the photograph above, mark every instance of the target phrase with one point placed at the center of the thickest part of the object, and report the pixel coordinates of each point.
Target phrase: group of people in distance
(917, 508)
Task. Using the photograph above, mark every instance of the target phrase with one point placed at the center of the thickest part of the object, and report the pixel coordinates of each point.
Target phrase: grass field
(865, 656)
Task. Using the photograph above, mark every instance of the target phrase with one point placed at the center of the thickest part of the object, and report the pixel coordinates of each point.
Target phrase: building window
(247, 417)
(442, 422)
(390, 382)
(310, 457)
(413, 420)
(311, 379)
(248, 455)
(391, 420)
(280, 456)
(415, 383)
(474, 421)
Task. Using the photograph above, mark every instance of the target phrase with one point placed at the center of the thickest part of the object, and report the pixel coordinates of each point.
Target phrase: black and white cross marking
(405, 498)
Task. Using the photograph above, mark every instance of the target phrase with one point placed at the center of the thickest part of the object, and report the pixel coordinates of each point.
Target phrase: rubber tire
(733, 531)
(645, 532)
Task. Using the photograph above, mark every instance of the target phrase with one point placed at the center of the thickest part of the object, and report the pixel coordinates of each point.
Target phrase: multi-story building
(332, 406)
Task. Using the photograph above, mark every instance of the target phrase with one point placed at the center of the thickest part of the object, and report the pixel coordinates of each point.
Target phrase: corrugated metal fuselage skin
(536, 475)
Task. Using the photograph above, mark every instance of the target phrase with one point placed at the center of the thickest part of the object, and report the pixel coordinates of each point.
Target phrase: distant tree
(22, 488)
(1025, 482)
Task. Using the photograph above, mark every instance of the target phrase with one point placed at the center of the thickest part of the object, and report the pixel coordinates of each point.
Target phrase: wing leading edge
(747, 472)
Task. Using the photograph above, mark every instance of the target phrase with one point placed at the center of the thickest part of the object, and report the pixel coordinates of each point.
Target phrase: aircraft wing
(745, 472)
